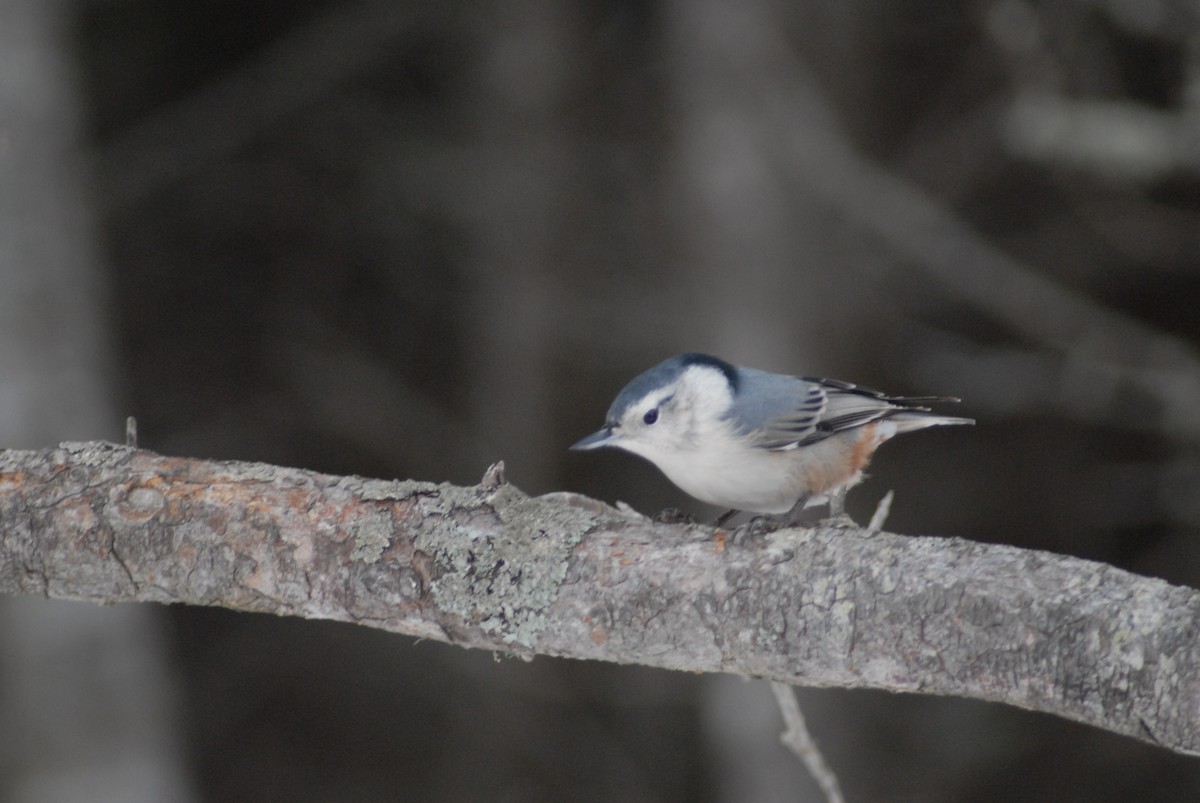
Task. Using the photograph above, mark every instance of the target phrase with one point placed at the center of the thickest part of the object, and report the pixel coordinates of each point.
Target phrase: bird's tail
(913, 420)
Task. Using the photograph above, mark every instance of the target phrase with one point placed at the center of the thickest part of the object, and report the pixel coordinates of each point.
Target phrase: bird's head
(667, 410)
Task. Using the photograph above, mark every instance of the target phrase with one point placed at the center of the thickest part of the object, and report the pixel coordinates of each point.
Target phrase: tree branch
(564, 575)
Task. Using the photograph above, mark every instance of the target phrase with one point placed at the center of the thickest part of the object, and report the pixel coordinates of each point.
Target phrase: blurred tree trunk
(515, 204)
(769, 288)
(84, 689)
(745, 224)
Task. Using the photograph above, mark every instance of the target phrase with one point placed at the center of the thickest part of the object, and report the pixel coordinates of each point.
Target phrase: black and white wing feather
(782, 412)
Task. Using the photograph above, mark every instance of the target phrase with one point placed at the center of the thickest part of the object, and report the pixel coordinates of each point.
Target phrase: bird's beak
(605, 437)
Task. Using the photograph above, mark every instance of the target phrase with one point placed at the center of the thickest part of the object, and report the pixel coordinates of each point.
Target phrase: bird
(754, 441)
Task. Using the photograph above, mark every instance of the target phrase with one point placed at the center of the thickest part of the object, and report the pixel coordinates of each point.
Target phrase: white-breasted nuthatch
(754, 441)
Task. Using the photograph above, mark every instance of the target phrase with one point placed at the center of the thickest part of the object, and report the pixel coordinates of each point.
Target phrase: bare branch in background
(1106, 352)
(797, 739)
(563, 575)
(1120, 138)
(225, 115)
(1117, 139)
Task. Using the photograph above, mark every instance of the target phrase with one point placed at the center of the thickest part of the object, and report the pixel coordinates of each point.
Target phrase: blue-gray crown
(664, 374)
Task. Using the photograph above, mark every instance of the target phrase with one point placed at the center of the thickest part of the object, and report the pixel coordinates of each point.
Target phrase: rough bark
(564, 575)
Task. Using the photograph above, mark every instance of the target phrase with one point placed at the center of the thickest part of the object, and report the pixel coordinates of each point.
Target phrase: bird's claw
(755, 528)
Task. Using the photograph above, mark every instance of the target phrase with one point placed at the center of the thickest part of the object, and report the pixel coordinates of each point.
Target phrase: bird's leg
(725, 517)
(837, 504)
(793, 516)
(837, 510)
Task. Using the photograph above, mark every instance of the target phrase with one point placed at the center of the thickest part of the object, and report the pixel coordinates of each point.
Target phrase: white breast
(741, 478)
(730, 473)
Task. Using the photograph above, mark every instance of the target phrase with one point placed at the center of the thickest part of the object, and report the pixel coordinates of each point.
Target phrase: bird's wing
(788, 412)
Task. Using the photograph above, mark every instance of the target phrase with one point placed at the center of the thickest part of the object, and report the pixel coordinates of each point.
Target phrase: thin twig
(797, 739)
(879, 517)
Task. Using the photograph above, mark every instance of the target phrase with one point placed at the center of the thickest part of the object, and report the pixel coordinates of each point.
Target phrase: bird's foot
(840, 521)
(755, 528)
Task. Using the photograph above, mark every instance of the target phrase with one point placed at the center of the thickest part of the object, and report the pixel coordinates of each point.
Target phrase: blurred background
(410, 239)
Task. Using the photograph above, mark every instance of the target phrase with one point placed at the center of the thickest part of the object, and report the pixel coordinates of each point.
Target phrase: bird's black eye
(651, 416)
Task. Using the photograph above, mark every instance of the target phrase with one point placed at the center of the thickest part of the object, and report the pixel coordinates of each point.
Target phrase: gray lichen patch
(501, 561)
(98, 454)
(240, 471)
(371, 535)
